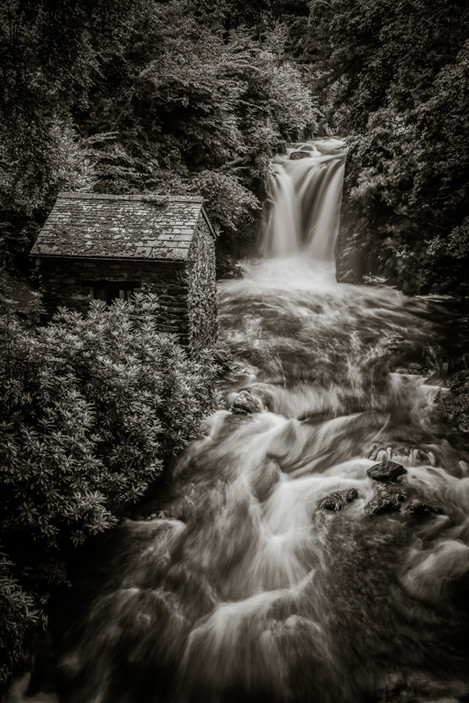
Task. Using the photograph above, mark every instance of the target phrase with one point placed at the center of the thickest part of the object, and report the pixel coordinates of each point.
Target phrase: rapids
(240, 585)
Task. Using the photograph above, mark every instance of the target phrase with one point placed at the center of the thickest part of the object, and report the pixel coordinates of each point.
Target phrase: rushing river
(278, 570)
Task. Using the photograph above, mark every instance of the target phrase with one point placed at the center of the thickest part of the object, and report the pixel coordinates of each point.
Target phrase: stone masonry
(108, 246)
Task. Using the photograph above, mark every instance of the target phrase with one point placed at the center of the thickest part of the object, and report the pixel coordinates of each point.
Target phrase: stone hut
(108, 246)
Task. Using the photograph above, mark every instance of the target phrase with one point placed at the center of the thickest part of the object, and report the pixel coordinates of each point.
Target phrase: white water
(242, 587)
(305, 194)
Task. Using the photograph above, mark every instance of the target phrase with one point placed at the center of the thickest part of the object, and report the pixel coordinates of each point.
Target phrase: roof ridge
(74, 195)
(150, 226)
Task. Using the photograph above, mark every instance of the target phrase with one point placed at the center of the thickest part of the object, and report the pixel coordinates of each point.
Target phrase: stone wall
(201, 279)
(186, 289)
(69, 282)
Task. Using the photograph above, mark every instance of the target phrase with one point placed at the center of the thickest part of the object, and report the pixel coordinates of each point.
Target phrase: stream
(314, 543)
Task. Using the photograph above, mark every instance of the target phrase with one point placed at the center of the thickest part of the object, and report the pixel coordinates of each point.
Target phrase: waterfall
(305, 193)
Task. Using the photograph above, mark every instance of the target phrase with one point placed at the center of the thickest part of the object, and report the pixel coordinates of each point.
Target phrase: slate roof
(98, 225)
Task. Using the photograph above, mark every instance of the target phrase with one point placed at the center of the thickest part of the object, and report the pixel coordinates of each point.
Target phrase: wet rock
(299, 155)
(387, 499)
(338, 499)
(349, 276)
(246, 404)
(420, 507)
(386, 471)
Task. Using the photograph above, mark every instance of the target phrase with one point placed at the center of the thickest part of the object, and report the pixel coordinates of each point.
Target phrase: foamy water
(243, 586)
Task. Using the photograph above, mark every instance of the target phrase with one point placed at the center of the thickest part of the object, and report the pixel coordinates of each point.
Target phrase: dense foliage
(92, 406)
(128, 97)
(393, 76)
(454, 404)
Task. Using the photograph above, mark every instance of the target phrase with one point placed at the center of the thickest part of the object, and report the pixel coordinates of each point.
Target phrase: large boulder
(386, 471)
(246, 404)
(421, 507)
(388, 498)
(300, 155)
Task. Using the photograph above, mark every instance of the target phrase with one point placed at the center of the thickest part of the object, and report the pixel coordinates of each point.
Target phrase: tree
(394, 76)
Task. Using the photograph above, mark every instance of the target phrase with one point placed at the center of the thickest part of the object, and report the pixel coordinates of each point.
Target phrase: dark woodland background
(193, 96)
(118, 96)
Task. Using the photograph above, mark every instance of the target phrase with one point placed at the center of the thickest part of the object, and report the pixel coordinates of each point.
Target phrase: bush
(18, 616)
(231, 205)
(445, 260)
(93, 406)
(454, 406)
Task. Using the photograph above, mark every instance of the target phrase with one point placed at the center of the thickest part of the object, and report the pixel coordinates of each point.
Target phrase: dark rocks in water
(349, 260)
(338, 499)
(413, 367)
(246, 404)
(419, 507)
(349, 276)
(387, 499)
(386, 471)
(300, 155)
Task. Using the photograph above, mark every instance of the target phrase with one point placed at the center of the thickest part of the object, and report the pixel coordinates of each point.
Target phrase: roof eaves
(36, 255)
(210, 226)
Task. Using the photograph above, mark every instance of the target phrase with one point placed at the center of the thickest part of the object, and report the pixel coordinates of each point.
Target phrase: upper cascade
(305, 194)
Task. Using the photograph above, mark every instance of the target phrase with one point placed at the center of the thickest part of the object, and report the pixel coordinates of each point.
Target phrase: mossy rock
(336, 500)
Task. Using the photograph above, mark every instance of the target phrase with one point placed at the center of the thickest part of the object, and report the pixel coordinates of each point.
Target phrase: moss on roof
(99, 225)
